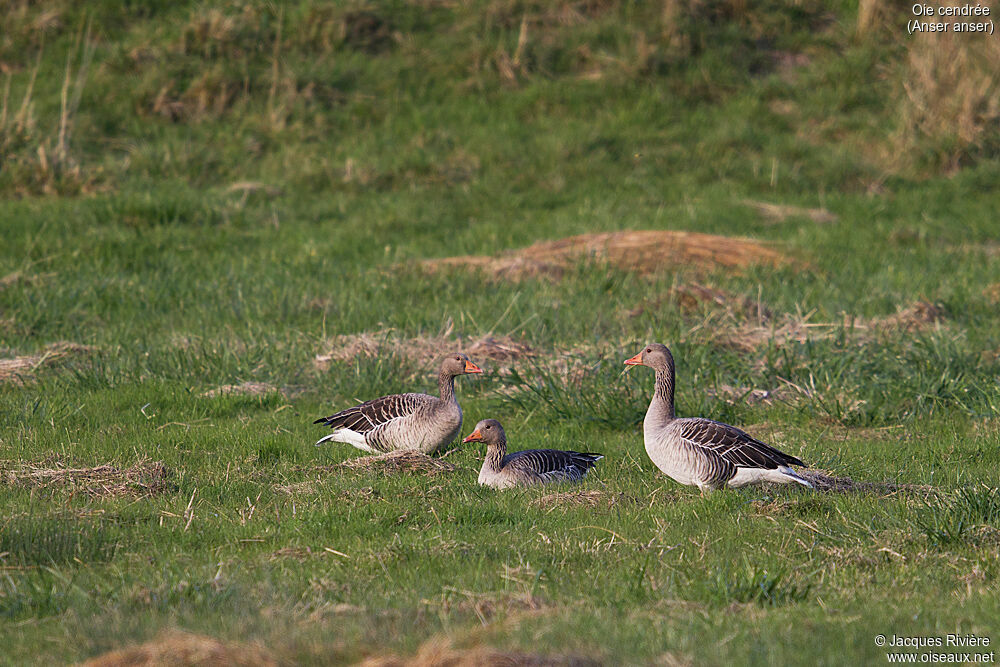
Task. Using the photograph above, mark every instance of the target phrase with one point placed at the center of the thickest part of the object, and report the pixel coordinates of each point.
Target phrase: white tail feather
(348, 436)
(780, 475)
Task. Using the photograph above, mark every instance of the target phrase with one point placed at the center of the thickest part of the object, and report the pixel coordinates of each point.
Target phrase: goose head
(489, 431)
(654, 355)
(458, 364)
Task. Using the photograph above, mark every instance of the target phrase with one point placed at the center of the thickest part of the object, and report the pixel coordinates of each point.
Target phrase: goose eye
(649, 349)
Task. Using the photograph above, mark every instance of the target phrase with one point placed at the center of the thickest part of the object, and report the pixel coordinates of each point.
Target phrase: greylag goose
(701, 452)
(531, 466)
(415, 422)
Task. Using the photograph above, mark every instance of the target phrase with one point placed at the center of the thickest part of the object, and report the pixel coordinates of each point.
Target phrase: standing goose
(525, 468)
(405, 421)
(701, 452)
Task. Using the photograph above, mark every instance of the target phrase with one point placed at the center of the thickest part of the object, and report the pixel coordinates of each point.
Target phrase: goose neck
(446, 384)
(494, 455)
(663, 393)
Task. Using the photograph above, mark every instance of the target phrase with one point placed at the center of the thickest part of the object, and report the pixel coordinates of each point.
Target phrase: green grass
(417, 137)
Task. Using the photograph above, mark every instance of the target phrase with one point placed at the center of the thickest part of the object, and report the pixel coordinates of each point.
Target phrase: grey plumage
(702, 452)
(417, 422)
(527, 467)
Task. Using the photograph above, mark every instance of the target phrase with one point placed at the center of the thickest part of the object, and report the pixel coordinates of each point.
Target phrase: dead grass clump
(915, 317)
(295, 553)
(242, 389)
(183, 648)
(19, 278)
(399, 461)
(104, 481)
(823, 481)
(951, 95)
(422, 350)
(439, 652)
(19, 369)
(876, 16)
(782, 212)
(992, 293)
(751, 335)
(306, 487)
(694, 297)
(644, 252)
(592, 499)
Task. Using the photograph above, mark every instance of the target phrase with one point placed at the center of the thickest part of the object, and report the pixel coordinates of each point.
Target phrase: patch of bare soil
(104, 481)
(182, 649)
(502, 350)
(439, 652)
(593, 499)
(823, 481)
(992, 293)
(19, 369)
(394, 462)
(242, 389)
(782, 212)
(644, 252)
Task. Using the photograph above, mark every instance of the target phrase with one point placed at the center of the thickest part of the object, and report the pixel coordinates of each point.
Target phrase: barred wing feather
(733, 445)
(377, 412)
(551, 462)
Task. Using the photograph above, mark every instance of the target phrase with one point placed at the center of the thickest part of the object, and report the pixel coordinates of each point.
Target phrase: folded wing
(377, 412)
(733, 445)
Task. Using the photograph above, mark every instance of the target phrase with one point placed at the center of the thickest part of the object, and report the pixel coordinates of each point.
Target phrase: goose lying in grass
(416, 422)
(525, 468)
(701, 452)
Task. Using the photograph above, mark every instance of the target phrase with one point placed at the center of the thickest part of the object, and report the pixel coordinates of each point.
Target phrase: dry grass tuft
(826, 482)
(992, 293)
(104, 481)
(951, 96)
(915, 317)
(694, 297)
(782, 212)
(752, 334)
(184, 649)
(295, 553)
(423, 350)
(593, 499)
(400, 461)
(19, 369)
(18, 278)
(439, 652)
(306, 487)
(644, 252)
(876, 16)
(242, 389)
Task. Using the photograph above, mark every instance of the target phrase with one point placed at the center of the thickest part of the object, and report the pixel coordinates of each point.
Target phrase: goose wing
(551, 463)
(377, 412)
(733, 445)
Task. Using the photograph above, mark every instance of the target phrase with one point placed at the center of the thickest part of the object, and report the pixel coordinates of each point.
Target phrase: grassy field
(202, 195)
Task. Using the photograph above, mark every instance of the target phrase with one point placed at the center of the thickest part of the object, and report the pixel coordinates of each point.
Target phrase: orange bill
(475, 436)
(472, 368)
(634, 361)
